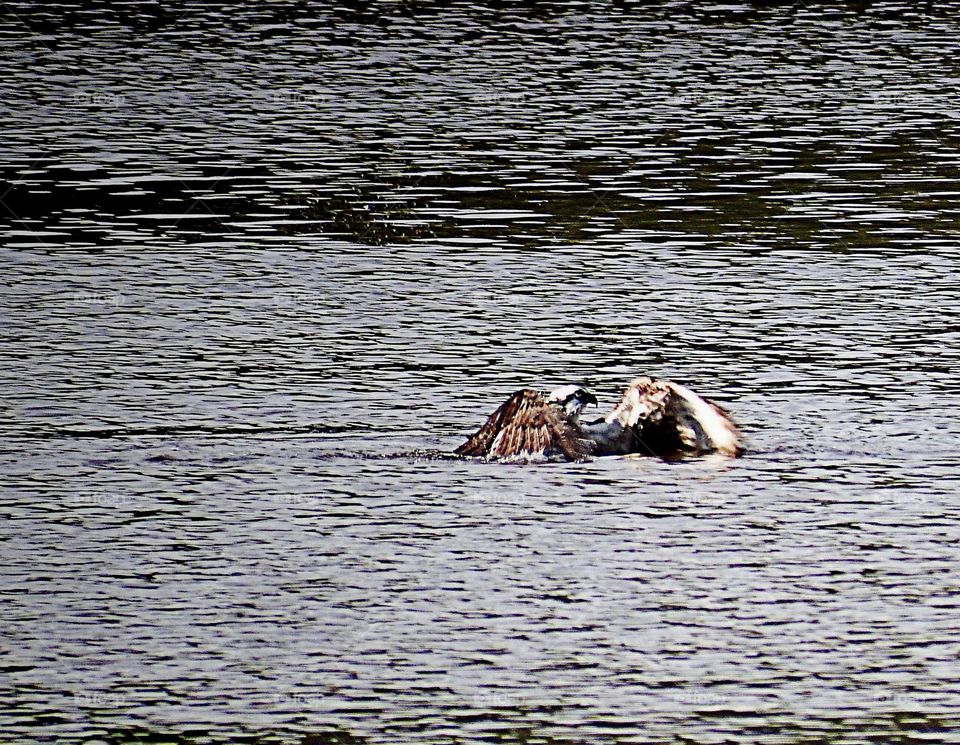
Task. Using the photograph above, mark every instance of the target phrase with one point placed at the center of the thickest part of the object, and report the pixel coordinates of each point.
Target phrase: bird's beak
(589, 398)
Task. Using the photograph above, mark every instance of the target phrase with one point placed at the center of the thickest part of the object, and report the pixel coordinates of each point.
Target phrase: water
(264, 262)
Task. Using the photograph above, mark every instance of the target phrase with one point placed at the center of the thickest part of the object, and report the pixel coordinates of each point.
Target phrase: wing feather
(657, 417)
(526, 426)
(705, 426)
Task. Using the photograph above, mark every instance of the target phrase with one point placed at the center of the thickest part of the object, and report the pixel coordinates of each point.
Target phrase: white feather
(717, 429)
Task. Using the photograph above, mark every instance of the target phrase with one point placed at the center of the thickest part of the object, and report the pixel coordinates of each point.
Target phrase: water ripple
(266, 264)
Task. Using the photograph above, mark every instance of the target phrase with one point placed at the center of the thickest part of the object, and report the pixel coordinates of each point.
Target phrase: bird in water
(653, 417)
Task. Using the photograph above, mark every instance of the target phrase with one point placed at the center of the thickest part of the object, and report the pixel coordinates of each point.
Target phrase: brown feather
(664, 419)
(526, 425)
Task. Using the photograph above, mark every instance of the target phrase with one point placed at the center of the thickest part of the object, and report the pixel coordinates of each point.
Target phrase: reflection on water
(264, 261)
(506, 127)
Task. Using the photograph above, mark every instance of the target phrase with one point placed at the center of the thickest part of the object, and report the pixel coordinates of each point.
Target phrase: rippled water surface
(265, 262)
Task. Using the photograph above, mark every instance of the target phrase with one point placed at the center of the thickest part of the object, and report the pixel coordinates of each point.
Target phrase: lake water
(265, 262)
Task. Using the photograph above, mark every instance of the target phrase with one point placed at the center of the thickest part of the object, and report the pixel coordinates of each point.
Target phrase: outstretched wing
(701, 424)
(526, 427)
(657, 417)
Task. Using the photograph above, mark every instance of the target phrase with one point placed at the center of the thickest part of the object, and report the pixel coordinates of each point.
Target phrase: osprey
(654, 417)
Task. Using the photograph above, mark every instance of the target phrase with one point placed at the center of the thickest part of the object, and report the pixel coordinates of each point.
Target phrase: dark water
(263, 259)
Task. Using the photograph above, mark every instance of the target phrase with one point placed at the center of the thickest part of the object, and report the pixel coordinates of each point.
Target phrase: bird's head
(572, 399)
